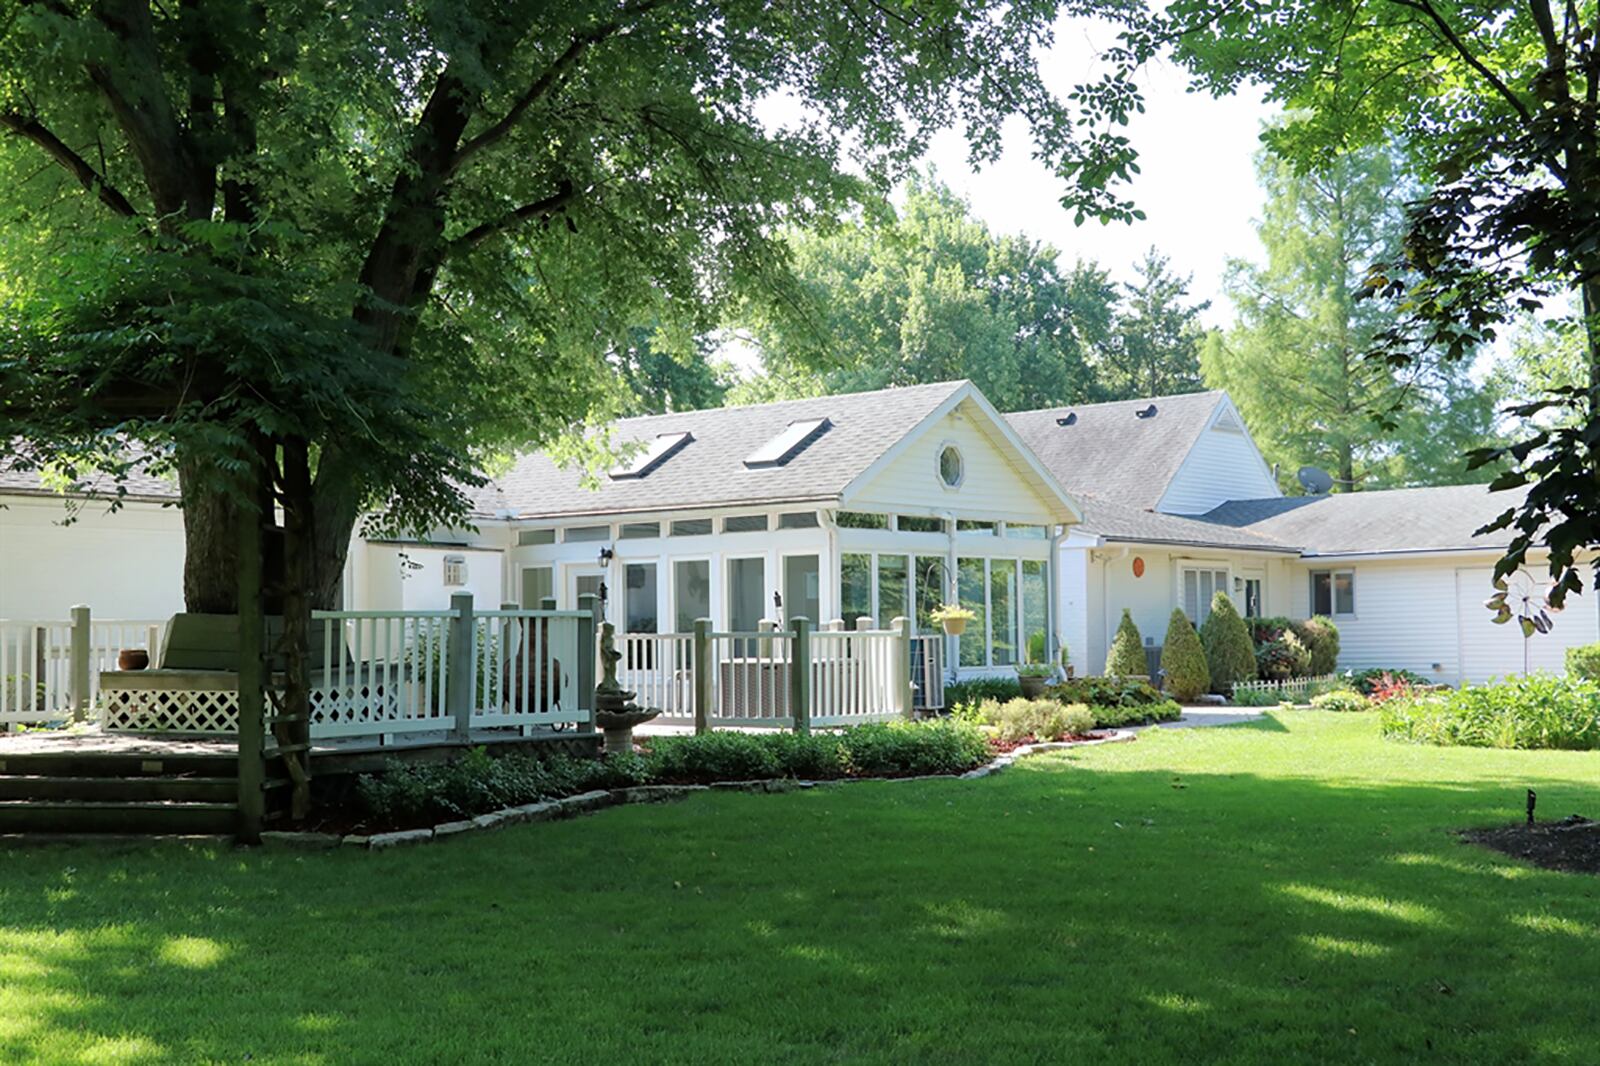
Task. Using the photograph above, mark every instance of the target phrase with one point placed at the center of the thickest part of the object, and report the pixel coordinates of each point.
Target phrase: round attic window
(951, 468)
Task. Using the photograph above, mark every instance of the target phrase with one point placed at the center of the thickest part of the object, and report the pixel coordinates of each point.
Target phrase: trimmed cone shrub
(1321, 638)
(1127, 650)
(1183, 660)
(1230, 656)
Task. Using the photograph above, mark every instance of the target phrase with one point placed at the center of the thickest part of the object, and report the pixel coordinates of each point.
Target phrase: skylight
(788, 444)
(659, 451)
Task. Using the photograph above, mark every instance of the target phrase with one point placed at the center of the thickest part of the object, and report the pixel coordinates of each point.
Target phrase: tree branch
(1471, 60)
(92, 180)
(549, 79)
(543, 209)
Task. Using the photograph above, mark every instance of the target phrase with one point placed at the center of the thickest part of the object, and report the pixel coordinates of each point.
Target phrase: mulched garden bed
(1572, 844)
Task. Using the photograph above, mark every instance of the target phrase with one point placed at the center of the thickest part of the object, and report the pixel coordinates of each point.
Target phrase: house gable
(1001, 479)
(1222, 464)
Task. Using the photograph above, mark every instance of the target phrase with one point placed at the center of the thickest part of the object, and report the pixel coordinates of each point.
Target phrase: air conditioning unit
(455, 570)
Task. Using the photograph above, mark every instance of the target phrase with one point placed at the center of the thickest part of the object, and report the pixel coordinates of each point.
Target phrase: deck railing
(760, 678)
(527, 668)
(42, 682)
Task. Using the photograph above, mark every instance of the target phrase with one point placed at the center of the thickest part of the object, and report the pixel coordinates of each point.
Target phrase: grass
(1287, 891)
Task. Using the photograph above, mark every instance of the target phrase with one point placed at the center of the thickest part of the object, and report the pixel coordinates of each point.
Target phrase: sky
(1197, 184)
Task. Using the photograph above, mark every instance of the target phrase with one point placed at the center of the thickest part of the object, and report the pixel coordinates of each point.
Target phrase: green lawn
(1288, 891)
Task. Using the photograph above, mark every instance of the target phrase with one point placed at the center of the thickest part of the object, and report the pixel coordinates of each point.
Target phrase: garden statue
(615, 713)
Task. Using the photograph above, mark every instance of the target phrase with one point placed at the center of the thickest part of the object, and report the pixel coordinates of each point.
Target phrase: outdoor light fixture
(606, 555)
(777, 600)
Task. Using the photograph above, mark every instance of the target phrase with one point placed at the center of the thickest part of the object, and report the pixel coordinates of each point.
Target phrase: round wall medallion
(1138, 566)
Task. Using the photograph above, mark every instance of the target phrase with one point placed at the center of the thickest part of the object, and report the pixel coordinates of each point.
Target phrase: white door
(1489, 650)
(585, 581)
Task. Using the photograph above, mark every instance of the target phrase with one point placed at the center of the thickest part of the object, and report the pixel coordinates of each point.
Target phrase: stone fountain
(615, 713)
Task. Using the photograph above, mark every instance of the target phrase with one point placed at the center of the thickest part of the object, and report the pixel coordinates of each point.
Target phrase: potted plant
(953, 617)
(1032, 677)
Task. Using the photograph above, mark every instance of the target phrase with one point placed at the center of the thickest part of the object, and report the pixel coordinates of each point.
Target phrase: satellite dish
(1315, 480)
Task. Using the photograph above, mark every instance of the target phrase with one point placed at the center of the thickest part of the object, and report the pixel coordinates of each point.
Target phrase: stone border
(599, 799)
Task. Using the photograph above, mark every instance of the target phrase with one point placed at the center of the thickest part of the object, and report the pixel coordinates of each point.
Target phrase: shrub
(419, 794)
(1536, 711)
(1105, 692)
(1584, 661)
(1020, 719)
(1367, 681)
(1126, 658)
(1388, 687)
(965, 696)
(1229, 654)
(893, 749)
(716, 756)
(1321, 638)
(1341, 699)
(1283, 658)
(1163, 710)
(1183, 661)
(1257, 697)
(814, 756)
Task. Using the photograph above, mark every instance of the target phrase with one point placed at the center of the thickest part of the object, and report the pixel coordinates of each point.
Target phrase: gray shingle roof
(1356, 523)
(1120, 522)
(710, 471)
(139, 484)
(1110, 453)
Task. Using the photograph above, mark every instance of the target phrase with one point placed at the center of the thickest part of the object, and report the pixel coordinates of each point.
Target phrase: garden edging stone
(598, 799)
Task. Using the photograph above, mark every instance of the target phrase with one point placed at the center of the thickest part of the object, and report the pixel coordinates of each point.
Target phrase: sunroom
(847, 511)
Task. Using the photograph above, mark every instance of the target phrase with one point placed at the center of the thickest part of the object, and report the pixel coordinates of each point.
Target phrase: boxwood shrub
(1536, 711)
(1584, 661)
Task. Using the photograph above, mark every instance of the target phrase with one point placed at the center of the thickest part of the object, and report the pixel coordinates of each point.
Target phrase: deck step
(112, 789)
(81, 816)
(117, 764)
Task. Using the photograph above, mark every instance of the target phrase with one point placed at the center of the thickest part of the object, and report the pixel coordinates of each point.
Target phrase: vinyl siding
(1405, 616)
(125, 564)
(993, 487)
(1223, 465)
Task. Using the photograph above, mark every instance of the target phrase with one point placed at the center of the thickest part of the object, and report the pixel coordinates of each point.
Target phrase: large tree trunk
(210, 539)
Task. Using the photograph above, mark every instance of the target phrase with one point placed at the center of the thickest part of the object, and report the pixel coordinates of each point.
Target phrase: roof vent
(1071, 419)
(1148, 412)
(659, 451)
(788, 444)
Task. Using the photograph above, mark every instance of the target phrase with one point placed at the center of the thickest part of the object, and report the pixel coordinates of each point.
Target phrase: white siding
(1489, 650)
(993, 487)
(1405, 616)
(1223, 465)
(126, 564)
(1092, 604)
(409, 577)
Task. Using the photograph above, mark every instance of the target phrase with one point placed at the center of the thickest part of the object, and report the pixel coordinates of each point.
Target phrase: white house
(1178, 503)
(1046, 523)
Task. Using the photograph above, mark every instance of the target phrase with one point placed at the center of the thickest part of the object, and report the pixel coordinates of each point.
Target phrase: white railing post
(461, 679)
(588, 654)
(78, 675)
(800, 676)
(900, 679)
(702, 675)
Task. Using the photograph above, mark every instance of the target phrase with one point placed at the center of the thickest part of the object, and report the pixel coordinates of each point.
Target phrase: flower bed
(1537, 711)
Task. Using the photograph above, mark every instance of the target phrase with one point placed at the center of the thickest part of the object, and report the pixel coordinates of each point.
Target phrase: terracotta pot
(133, 659)
(955, 626)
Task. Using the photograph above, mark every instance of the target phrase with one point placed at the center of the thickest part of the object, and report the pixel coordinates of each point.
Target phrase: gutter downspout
(952, 645)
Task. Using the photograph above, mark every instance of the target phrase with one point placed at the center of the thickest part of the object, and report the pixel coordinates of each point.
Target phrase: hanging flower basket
(953, 618)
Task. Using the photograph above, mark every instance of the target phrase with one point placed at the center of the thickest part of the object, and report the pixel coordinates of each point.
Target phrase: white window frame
(727, 584)
(782, 577)
(622, 599)
(1333, 573)
(1199, 566)
(938, 465)
(711, 585)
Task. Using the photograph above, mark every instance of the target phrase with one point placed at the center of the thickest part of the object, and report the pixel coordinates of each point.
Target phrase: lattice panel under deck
(170, 710)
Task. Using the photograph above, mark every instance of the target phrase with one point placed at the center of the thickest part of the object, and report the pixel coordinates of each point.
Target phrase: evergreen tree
(1126, 658)
(1154, 348)
(1185, 674)
(1230, 654)
(1296, 360)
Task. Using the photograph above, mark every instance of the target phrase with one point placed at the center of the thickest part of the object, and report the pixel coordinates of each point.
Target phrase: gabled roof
(1444, 518)
(711, 471)
(1110, 453)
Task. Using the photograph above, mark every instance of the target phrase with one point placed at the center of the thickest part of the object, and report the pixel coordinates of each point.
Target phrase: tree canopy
(1155, 335)
(483, 198)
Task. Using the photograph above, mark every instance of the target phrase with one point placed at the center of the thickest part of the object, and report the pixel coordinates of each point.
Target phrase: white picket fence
(1297, 689)
(36, 664)
(751, 680)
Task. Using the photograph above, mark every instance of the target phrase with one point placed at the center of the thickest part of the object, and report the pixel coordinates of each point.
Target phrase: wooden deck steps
(80, 792)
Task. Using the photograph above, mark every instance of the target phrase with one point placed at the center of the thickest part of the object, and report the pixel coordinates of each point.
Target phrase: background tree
(664, 373)
(487, 196)
(1494, 107)
(1296, 359)
(1155, 335)
(931, 294)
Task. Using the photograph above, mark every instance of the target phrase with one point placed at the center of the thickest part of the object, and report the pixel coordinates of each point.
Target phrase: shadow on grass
(1156, 914)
